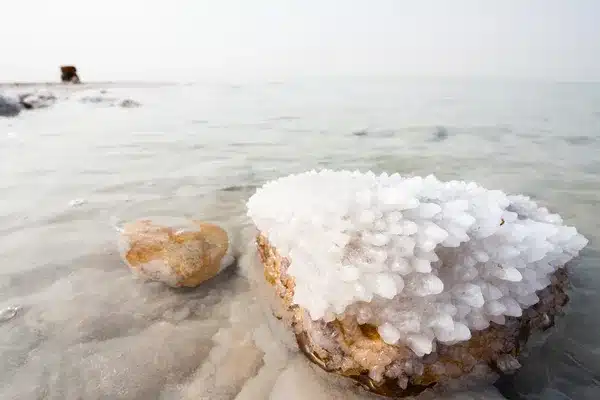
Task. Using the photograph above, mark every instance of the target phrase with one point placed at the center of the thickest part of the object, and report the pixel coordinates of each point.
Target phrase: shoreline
(88, 84)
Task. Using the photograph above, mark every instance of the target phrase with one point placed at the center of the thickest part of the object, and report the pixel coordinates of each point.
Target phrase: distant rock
(128, 103)
(177, 252)
(9, 107)
(102, 97)
(362, 132)
(440, 134)
(68, 74)
(39, 99)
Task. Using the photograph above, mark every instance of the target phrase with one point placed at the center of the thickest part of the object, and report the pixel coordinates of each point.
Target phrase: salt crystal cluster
(420, 259)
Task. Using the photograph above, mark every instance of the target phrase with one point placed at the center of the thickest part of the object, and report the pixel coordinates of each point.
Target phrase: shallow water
(86, 328)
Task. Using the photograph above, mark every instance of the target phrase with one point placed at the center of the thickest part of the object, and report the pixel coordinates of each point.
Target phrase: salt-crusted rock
(179, 253)
(405, 283)
(9, 107)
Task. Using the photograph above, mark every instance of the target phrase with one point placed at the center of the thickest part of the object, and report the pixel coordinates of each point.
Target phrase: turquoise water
(87, 329)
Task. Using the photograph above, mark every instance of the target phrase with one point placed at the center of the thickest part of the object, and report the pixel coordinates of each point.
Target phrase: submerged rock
(39, 99)
(405, 284)
(440, 134)
(9, 107)
(128, 103)
(102, 97)
(8, 313)
(179, 253)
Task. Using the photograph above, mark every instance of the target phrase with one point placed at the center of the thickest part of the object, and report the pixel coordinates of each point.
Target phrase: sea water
(75, 323)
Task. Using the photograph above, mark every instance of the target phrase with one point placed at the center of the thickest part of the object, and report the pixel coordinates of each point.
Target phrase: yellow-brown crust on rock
(192, 256)
(357, 350)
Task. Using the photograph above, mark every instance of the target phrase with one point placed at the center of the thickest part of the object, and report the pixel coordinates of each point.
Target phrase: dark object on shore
(440, 134)
(362, 132)
(68, 74)
(9, 107)
(128, 103)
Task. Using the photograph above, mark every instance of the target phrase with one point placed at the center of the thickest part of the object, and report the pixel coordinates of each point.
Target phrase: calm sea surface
(86, 329)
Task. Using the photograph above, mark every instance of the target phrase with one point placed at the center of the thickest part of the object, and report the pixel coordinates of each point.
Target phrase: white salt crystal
(379, 225)
(428, 210)
(377, 255)
(349, 273)
(490, 292)
(508, 274)
(423, 266)
(408, 204)
(391, 196)
(362, 293)
(507, 252)
(462, 273)
(409, 227)
(424, 284)
(477, 320)
(393, 217)
(435, 233)
(385, 286)
(378, 239)
(495, 307)
(442, 321)
(399, 283)
(395, 229)
(464, 220)
(366, 217)
(443, 335)
(461, 332)
(388, 333)
(481, 256)
(509, 216)
(363, 198)
(420, 344)
(513, 308)
(446, 308)
(469, 294)
(528, 300)
(456, 206)
(462, 310)
(404, 246)
(408, 321)
(401, 266)
(427, 245)
(426, 255)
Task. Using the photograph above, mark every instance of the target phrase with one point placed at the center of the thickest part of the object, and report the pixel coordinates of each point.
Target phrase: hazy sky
(202, 39)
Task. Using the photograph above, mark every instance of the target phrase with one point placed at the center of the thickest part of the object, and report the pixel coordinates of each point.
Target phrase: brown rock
(357, 352)
(183, 254)
(68, 73)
